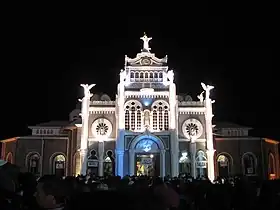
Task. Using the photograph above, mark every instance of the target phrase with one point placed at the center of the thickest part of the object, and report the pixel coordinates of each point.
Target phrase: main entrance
(147, 156)
(147, 164)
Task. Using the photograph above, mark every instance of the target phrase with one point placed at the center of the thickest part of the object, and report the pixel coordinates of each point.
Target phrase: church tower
(146, 110)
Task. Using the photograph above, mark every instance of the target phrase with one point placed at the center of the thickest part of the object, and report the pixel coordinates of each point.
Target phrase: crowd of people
(25, 191)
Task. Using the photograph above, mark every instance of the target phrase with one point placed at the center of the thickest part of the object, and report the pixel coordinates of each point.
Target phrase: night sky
(47, 58)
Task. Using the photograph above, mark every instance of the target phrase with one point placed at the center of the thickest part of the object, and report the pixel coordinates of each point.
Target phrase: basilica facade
(147, 130)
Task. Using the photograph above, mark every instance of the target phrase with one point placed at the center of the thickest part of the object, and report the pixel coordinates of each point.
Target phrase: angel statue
(170, 75)
(122, 75)
(200, 96)
(207, 89)
(87, 88)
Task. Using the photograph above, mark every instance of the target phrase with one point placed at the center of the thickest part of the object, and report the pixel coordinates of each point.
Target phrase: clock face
(145, 62)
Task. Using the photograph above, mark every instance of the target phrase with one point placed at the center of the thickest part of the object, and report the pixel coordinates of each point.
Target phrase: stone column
(162, 163)
(121, 100)
(211, 169)
(83, 159)
(193, 158)
(174, 154)
(172, 105)
(119, 167)
(172, 126)
(209, 131)
(84, 133)
(101, 158)
(131, 162)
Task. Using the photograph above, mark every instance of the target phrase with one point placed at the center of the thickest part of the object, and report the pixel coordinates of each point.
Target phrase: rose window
(192, 129)
(101, 128)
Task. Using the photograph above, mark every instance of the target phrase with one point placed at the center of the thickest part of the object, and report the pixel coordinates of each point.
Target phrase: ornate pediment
(145, 59)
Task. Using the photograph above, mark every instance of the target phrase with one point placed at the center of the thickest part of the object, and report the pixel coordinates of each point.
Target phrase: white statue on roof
(87, 88)
(170, 75)
(200, 96)
(207, 89)
(146, 40)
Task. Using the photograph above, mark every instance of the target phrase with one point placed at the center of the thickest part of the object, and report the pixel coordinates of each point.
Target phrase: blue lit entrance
(147, 156)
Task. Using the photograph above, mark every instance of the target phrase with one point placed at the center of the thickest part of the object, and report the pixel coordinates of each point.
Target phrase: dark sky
(47, 58)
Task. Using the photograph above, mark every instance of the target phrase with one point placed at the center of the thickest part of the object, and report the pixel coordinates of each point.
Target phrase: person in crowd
(51, 193)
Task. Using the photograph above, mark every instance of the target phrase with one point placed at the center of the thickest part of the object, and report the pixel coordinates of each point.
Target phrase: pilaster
(101, 158)
(119, 160)
(211, 164)
(162, 163)
(193, 158)
(174, 154)
(84, 133)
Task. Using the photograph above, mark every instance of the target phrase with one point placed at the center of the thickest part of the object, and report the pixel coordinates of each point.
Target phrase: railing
(190, 103)
(101, 103)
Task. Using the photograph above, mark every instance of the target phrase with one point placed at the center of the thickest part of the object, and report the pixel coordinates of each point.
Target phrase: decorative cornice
(271, 141)
(146, 94)
(101, 110)
(9, 140)
(98, 139)
(238, 138)
(42, 137)
(188, 140)
(191, 110)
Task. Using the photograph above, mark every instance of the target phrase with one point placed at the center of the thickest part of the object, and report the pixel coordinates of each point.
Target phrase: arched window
(271, 166)
(76, 164)
(201, 164)
(58, 165)
(146, 75)
(133, 116)
(224, 165)
(155, 75)
(160, 113)
(33, 163)
(185, 163)
(249, 164)
(92, 163)
(109, 164)
(9, 157)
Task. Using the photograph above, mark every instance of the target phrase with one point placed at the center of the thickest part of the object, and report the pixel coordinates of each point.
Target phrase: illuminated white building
(153, 130)
(147, 130)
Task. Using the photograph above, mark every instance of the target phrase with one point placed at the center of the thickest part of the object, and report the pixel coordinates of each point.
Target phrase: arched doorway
(249, 164)
(58, 165)
(224, 165)
(271, 166)
(33, 162)
(147, 156)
